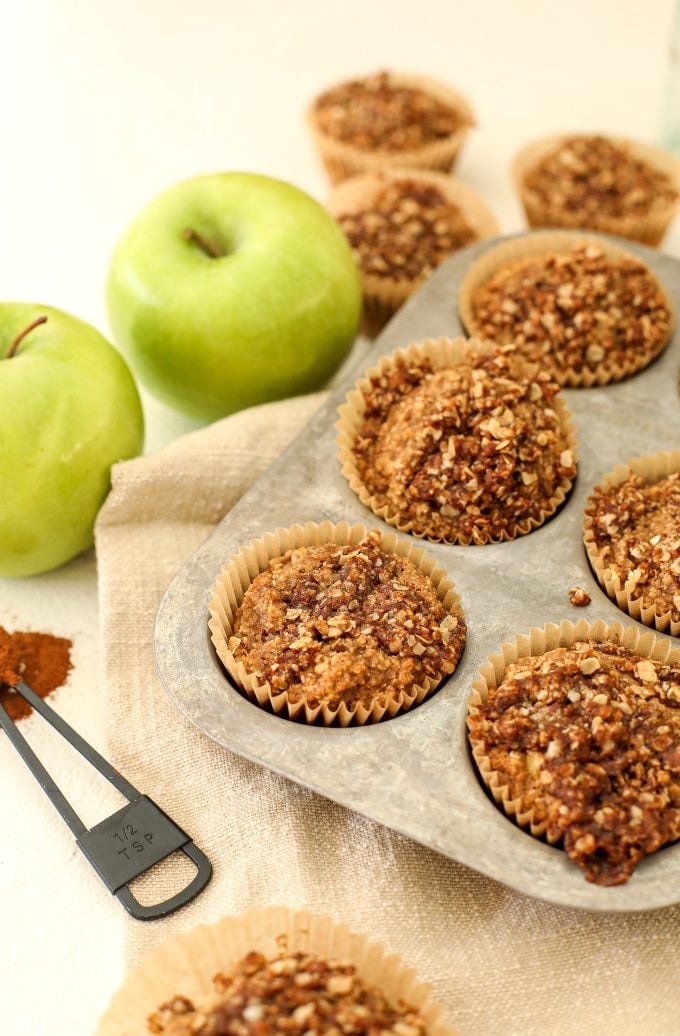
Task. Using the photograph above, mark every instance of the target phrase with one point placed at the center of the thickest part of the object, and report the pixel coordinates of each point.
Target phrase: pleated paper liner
(229, 589)
(651, 468)
(384, 295)
(343, 160)
(186, 964)
(442, 353)
(526, 810)
(516, 251)
(649, 228)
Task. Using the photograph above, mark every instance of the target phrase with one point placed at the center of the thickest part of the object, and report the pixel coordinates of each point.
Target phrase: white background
(103, 105)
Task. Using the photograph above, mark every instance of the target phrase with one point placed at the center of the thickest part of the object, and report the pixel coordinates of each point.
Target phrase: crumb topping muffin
(340, 624)
(587, 740)
(379, 113)
(575, 311)
(465, 453)
(599, 179)
(298, 994)
(406, 231)
(635, 530)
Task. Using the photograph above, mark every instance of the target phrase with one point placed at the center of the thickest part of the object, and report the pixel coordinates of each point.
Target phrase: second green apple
(231, 290)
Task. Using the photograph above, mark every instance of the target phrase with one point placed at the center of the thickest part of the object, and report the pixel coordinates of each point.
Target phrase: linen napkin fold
(501, 962)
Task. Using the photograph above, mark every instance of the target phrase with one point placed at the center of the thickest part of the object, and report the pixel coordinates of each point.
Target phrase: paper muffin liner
(652, 468)
(343, 160)
(186, 964)
(441, 352)
(519, 249)
(649, 228)
(236, 576)
(384, 295)
(537, 642)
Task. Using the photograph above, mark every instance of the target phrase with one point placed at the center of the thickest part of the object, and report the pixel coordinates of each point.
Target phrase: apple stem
(207, 246)
(22, 334)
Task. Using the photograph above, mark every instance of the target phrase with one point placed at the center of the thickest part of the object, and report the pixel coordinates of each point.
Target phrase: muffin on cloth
(388, 119)
(598, 183)
(458, 441)
(272, 970)
(577, 736)
(632, 536)
(336, 623)
(401, 224)
(582, 308)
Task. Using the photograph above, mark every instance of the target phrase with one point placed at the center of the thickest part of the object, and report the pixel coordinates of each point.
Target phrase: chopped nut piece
(305, 995)
(578, 597)
(589, 665)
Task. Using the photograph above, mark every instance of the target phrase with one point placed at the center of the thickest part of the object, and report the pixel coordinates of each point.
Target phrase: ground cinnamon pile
(41, 660)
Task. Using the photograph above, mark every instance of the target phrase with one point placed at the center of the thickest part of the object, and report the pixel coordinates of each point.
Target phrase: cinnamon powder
(41, 660)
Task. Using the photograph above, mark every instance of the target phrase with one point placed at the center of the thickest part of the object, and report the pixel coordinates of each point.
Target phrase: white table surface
(105, 104)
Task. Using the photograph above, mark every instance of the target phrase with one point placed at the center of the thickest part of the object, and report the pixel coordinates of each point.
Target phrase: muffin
(583, 309)
(302, 990)
(598, 183)
(261, 958)
(336, 624)
(458, 441)
(385, 120)
(401, 225)
(580, 741)
(632, 536)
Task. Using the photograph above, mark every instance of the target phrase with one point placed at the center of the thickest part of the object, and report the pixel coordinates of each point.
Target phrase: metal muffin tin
(414, 773)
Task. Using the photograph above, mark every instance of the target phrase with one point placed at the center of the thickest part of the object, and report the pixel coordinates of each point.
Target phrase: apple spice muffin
(297, 994)
(598, 183)
(582, 314)
(633, 542)
(346, 625)
(389, 119)
(583, 744)
(401, 225)
(474, 452)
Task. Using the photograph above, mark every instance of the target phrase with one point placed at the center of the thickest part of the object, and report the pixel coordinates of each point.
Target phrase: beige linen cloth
(501, 962)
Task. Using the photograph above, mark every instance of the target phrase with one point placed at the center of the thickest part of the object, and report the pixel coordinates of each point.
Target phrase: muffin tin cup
(384, 295)
(517, 250)
(538, 642)
(184, 965)
(343, 160)
(442, 353)
(648, 229)
(236, 576)
(652, 468)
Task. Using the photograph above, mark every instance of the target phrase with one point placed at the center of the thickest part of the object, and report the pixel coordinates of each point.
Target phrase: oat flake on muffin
(465, 453)
(576, 311)
(586, 742)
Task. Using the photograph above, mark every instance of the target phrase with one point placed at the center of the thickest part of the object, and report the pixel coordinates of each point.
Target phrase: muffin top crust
(464, 453)
(587, 738)
(377, 113)
(405, 231)
(345, 624)
(575, 310)
(599, 178)
(296, 994)
(635, 530)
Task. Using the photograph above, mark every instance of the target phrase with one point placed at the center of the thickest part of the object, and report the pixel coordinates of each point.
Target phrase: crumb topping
(594, 176)
(576, 311)
(588, 738)
(636, 529)
(376, 113)
(298, 994)
(578, 597)
(353, 624)
(409, 229)
(466, 452)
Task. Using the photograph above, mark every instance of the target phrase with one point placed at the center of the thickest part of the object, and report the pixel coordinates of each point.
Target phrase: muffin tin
(414, 773)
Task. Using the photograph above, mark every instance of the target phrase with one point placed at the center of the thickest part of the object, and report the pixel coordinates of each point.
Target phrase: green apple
(69, 409)
(231, 290)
